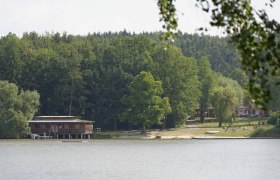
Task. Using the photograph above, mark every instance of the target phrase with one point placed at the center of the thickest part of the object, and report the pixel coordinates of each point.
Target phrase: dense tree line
(221, 54)
(90, 75)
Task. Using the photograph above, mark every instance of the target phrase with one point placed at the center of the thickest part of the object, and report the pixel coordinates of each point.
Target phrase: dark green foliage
(89, 75)
(11, 61)
(121, 61)
(274, 105)
(274, 118)
(221, 54)
(144, 104)
(180, 83)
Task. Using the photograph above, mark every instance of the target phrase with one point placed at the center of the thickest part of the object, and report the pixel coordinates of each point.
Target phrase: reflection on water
(140, 159)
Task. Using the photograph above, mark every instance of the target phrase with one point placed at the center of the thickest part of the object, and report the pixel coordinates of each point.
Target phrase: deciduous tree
(16, 108)
(180, 83)
(227, 94)
(144, 104)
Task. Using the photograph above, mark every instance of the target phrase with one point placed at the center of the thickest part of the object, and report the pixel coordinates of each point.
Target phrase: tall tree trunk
(143, 128)
(202, 115)
(164, 123)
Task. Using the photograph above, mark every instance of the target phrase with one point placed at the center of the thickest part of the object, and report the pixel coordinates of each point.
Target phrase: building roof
(58, 119)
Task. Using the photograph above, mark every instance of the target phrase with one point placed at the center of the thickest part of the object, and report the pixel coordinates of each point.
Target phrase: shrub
(266, 132)
(275, 118)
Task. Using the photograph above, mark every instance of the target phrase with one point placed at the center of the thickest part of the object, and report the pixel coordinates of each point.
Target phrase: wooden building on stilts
(70, 127)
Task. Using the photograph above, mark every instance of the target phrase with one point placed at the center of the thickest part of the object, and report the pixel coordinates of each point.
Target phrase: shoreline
(147, 138)
(189, 137)
(170, 134)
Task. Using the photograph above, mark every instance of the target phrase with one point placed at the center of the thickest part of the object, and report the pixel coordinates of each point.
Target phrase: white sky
(88, 16)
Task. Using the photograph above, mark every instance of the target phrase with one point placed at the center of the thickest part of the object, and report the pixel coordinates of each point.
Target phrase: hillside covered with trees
(91, 75)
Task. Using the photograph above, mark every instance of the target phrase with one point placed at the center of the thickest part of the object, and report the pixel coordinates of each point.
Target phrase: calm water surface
(140, 159)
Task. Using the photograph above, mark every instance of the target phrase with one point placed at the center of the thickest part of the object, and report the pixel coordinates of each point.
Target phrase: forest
(99, 76)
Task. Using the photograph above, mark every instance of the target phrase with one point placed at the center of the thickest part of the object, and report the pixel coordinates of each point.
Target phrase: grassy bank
(242, 127)
(239, 122)
(266, 131)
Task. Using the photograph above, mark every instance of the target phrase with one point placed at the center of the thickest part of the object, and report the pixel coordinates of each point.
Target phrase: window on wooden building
(77, 126)
(71, 126)
(37, 125)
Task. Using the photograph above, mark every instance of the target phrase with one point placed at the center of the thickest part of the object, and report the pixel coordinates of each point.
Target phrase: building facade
(247, 111)
(61, 126)
(240, 111)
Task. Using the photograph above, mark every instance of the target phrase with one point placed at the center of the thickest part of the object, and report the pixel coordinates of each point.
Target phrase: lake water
(140, 159)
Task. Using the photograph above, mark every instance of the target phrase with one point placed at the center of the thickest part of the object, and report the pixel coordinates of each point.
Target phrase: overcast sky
(88, 16)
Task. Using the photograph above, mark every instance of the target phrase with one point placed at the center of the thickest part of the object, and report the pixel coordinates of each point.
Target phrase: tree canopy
(180, 83)
(144, 104)
(16, 108)
(226, 96)
(89, 75)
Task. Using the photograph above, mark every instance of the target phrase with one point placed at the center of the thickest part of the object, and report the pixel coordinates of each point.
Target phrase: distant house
(61, 126)
(240, 111)
(247, 111)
